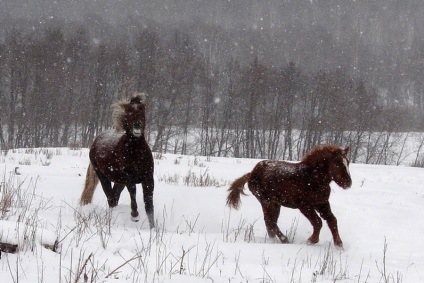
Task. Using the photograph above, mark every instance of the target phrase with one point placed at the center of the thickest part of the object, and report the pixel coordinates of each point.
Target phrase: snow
(197, 238)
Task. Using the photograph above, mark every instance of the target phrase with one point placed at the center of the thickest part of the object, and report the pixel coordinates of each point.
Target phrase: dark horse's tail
(91, 181)
(236, 188)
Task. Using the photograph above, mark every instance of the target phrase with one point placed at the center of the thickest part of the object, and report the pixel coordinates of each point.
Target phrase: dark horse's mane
(119, 107)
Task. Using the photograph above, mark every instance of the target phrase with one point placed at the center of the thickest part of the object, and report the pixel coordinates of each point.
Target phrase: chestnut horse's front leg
(326, 213)
(316, 222)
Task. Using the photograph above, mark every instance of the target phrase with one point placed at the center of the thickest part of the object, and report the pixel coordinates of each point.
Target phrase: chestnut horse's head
(339, 168)
(130, 116)
(332, 164)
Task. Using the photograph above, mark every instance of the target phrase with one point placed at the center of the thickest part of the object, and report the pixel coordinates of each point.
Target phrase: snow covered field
(198, 238)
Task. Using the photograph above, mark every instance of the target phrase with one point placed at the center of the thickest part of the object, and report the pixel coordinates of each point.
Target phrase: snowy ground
(197, 238)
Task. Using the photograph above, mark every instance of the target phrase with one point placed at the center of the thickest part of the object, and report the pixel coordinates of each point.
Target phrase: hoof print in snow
(54, 247)
(8, 248)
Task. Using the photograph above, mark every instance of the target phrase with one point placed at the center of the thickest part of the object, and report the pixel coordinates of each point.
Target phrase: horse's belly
(123, 175)
(116, 170)
(301, 199)
(287, 200)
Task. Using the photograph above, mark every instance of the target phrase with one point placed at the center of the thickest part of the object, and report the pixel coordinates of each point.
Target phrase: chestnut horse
(122, 156)
(304, 185)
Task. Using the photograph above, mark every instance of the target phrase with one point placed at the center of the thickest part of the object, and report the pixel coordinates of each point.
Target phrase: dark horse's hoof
(112, 203)
(135, 219)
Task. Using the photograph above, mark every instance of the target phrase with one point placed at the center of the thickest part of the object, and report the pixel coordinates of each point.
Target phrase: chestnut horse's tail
(236, 188)
(91, 181)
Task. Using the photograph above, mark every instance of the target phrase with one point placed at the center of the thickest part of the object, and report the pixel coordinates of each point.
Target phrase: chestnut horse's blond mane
(119, 108)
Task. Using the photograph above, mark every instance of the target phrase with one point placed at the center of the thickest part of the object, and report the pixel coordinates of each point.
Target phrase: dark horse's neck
(134, 142)
(135, 139)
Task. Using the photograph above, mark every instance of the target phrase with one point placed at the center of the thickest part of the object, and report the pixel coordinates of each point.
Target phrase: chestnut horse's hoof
(339, 245)
(312, 241)
(284, 240)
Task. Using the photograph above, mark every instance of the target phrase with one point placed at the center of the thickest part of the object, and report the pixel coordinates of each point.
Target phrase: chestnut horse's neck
(320, 154)
(317, 162)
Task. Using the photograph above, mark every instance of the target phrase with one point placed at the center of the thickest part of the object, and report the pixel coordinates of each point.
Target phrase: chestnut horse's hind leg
(271, 213)
(325, 212)
(134, 212)
(148, 187)
(316, 222)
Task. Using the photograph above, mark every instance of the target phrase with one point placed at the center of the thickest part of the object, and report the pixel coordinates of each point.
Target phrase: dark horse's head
(336, 161)
(129, 116)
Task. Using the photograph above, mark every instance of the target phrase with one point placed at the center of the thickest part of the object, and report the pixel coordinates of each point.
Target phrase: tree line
(57, 84)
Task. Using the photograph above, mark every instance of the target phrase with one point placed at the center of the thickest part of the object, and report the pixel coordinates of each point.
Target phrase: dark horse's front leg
(148, 188)
(134, 212)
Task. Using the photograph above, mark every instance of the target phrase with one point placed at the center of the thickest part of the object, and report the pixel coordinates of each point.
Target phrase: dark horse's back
(114, 164)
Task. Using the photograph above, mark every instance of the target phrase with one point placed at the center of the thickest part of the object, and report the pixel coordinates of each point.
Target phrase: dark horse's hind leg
(271, 213)
(116, 194)
(134, 212)
(112, 195)
(148, 187)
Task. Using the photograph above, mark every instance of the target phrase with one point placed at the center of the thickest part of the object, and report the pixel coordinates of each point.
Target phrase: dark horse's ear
(138, 98)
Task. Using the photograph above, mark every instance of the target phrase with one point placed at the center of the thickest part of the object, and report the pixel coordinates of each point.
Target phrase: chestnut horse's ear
(345, 151)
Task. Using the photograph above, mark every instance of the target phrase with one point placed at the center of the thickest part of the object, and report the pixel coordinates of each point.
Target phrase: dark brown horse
(304, 185)
(122, 156)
